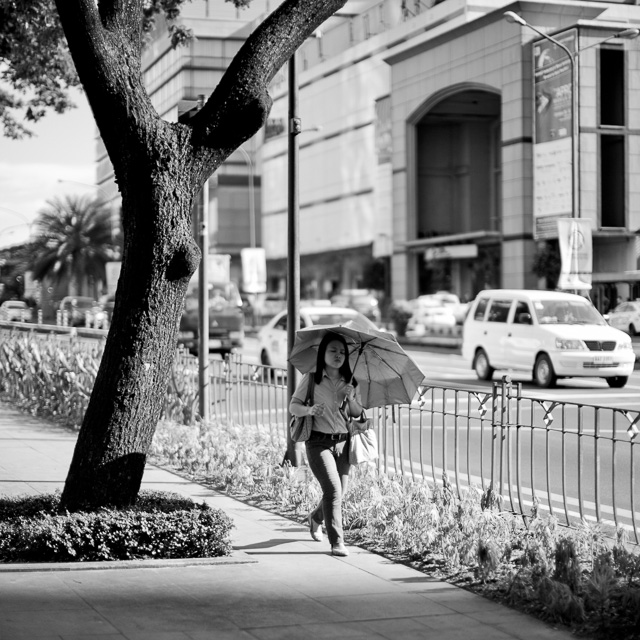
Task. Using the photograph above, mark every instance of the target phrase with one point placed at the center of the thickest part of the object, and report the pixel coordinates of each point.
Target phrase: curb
(236, 557)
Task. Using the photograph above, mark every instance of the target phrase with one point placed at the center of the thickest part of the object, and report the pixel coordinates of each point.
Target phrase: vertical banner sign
(576, 253)
(553, 133)
(254, 270)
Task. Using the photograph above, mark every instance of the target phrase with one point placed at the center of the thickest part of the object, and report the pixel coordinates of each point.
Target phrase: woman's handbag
(363, 446)
(300, 427)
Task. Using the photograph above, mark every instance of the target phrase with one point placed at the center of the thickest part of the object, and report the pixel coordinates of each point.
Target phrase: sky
(58, 160)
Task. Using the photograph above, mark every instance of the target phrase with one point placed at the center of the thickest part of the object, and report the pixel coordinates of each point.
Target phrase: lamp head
(514, 18)
(628, 34)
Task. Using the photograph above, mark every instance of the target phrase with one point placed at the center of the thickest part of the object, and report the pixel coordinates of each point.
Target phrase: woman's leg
(330, 465)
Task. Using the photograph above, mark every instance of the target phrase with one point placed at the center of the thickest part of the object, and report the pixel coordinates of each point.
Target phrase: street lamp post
(252, 201)
(513, 17)
(294, 454)
(26, 223)
(17, 213)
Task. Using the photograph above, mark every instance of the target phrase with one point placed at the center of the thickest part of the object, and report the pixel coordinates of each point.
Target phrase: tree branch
(240, 104)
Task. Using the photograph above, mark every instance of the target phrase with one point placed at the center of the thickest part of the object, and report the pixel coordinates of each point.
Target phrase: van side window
(522, 314)
(499, 310)
(480, 309)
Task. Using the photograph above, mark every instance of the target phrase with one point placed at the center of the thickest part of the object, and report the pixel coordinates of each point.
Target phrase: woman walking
(336, 400)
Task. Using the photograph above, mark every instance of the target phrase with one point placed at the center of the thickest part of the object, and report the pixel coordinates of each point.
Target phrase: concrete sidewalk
(278, 584)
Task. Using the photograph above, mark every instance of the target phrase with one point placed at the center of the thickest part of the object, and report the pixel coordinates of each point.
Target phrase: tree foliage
(36, 70)
(73, 241)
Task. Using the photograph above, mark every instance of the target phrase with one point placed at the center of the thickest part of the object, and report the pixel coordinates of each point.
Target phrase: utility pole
(203, 286)
(294, 453)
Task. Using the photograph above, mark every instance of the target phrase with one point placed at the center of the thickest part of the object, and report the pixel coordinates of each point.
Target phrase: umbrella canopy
(385, 372)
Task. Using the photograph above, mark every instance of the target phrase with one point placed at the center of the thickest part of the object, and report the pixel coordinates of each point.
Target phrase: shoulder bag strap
(310, 390)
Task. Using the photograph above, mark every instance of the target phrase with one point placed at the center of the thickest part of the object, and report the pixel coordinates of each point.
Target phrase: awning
(476, 237)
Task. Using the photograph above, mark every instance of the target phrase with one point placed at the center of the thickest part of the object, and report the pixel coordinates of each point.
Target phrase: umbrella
(385, 372)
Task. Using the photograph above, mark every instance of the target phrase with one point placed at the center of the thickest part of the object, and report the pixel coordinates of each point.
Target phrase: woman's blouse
(331, 394)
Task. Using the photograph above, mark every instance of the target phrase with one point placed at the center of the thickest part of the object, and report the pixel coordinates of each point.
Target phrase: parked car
(226, 319)
(428, 314)
(82, 311)
(107, 303)
(448, 301)
(15, 311)
(435, 311)
(626, 317)
(548, 334)
(272, 338)
(361, 300)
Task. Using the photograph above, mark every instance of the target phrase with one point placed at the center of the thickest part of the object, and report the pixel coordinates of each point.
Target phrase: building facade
(417, 148)
(419, 167)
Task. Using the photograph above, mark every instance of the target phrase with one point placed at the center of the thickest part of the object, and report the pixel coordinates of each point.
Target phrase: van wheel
(617, 382)
(483, 369)
(543, 372)
(632, 330)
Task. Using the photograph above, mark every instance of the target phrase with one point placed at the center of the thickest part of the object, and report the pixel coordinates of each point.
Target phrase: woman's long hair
(345, 369)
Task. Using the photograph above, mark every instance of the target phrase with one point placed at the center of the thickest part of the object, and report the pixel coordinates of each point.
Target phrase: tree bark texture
(160, 168)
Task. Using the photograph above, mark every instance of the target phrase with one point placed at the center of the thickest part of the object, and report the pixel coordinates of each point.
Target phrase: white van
(548, 334)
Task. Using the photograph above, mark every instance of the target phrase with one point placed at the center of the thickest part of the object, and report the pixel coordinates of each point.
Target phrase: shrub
(159, 525)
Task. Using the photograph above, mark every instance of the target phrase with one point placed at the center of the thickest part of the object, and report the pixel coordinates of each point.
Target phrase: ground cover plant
(573, 577)
(159, 525)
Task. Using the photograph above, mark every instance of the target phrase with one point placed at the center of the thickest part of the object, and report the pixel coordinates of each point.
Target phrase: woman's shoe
(315, 529)
(339, 550)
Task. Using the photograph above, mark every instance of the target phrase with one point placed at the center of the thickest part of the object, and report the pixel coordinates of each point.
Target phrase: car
(626, 317)
(226, 319)
(449, 301)
(548, 334)
(429, 314)
(15, 311)
(107, 302)
(82, 311)
(272, 338)
(361, 300)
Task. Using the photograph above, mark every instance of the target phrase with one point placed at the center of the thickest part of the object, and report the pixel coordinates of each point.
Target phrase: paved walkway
(278, 584)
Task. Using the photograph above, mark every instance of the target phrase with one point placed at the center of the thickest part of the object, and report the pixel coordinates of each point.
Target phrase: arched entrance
(458, 195)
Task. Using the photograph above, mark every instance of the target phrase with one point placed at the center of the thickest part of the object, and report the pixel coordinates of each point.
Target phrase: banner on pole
(553, 133)
(254, 270)
(576, 253)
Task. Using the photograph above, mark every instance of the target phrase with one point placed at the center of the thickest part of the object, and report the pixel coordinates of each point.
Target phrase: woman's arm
(299, 409)
(353, 401)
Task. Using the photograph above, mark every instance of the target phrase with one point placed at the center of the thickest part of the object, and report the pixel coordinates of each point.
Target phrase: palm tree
(72, 243)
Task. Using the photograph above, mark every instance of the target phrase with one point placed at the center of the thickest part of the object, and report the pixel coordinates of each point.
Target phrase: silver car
(272, 338)
(626, 317)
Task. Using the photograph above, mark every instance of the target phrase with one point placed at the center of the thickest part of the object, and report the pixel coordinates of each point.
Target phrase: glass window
(521, 307)
(480, 309)
(612, 180)
(499, 311)
(612, 87)
(567, 312)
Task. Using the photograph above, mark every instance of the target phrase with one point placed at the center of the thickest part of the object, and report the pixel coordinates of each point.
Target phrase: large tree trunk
(127, 399)
(160, 168)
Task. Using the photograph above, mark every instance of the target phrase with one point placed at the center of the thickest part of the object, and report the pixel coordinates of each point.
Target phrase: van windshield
(224, 295)
(567, 312)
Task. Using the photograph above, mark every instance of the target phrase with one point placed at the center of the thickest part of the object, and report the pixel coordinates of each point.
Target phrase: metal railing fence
(578, 462)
